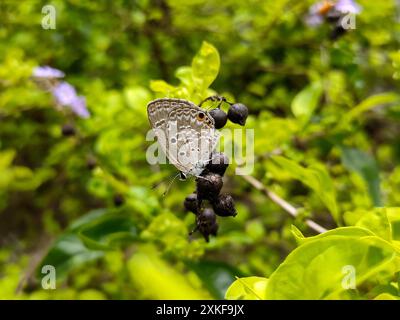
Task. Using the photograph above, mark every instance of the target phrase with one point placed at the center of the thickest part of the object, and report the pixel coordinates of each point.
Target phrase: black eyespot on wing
(201, 116)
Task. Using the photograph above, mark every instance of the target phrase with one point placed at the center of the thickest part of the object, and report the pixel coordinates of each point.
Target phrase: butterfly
(185, 133)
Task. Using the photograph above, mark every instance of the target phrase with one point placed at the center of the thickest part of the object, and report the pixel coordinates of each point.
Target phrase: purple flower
(321, 9)
(314, 20)
(347, 6)
(79, 107)
(47, 72)
(314, 17)
(65, 95)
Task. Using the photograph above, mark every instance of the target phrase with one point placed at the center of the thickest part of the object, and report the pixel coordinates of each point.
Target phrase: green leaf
(205, 66)
(136, 98)
(306, 101)
(315, 270)
(386, 296)
(297, 234)
(365, 165)
(315, 177)
(87, 238)
(185, 75)
(67, 253)
(154, 278)
(249, 288)
(160, 86)
(393, 214)
(342, 231)
(108, 232)
(383, 288)
(375, 220)
(216, 276)
(6, 158)
(367, 104)
(86, 219)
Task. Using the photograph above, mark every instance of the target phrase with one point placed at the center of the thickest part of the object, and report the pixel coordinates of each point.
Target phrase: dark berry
(91, 163)
(206, 223)
(224, 206)
(68, 130)
(208, 186)
(207, 216)
(238, 113)
(220, 117)
(118, 200)
(219, 163)
(333, 17)
(337, 32)
(190, 203)
(214, 229)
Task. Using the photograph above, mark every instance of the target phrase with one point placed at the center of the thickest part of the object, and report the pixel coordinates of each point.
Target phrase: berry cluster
(209, 184)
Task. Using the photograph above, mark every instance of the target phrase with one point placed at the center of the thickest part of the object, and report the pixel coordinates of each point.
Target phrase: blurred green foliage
(327, 135)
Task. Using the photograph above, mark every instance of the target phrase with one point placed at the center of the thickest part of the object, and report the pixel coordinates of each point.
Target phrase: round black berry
(190, 203)
(118, 200)
(337, 32)
(207, 216)
(91, 163)
(224, 206)
(208, 186)
(333, 17)
(68, 130)
(206, 223)
(214, 229)
(238, 113)
(218, 164)
(220, 117)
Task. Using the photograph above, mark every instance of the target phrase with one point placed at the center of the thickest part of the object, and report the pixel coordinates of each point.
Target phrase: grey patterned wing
(185, 132)
(158, 110)
(195, 135)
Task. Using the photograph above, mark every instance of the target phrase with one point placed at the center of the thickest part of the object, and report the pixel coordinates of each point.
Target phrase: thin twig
(36, 257)
(280, 202)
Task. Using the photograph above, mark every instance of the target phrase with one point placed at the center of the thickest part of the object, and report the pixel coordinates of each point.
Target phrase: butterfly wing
(196, 138)
(185, 132)
(157, 112)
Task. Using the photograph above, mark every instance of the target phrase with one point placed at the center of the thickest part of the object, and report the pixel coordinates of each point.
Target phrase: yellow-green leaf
(205, 66)
(249, 288)
(306, 101)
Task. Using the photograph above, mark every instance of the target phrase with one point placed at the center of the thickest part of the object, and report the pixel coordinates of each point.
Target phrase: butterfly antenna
(170, 184)
(156, 185)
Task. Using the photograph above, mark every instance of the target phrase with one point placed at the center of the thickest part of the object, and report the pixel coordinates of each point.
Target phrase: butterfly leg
(214, 98)
(182, 176)
(200, 177)
(211, 159)
(190, 235)
(196, 228)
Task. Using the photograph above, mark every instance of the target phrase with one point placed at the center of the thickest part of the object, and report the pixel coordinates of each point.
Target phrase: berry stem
(281, 202)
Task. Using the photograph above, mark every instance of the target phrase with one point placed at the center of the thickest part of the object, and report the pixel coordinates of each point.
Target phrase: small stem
(281, 202)
(35, 260)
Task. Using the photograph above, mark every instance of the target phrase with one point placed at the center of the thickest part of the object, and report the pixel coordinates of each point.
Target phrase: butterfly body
(185, 133)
